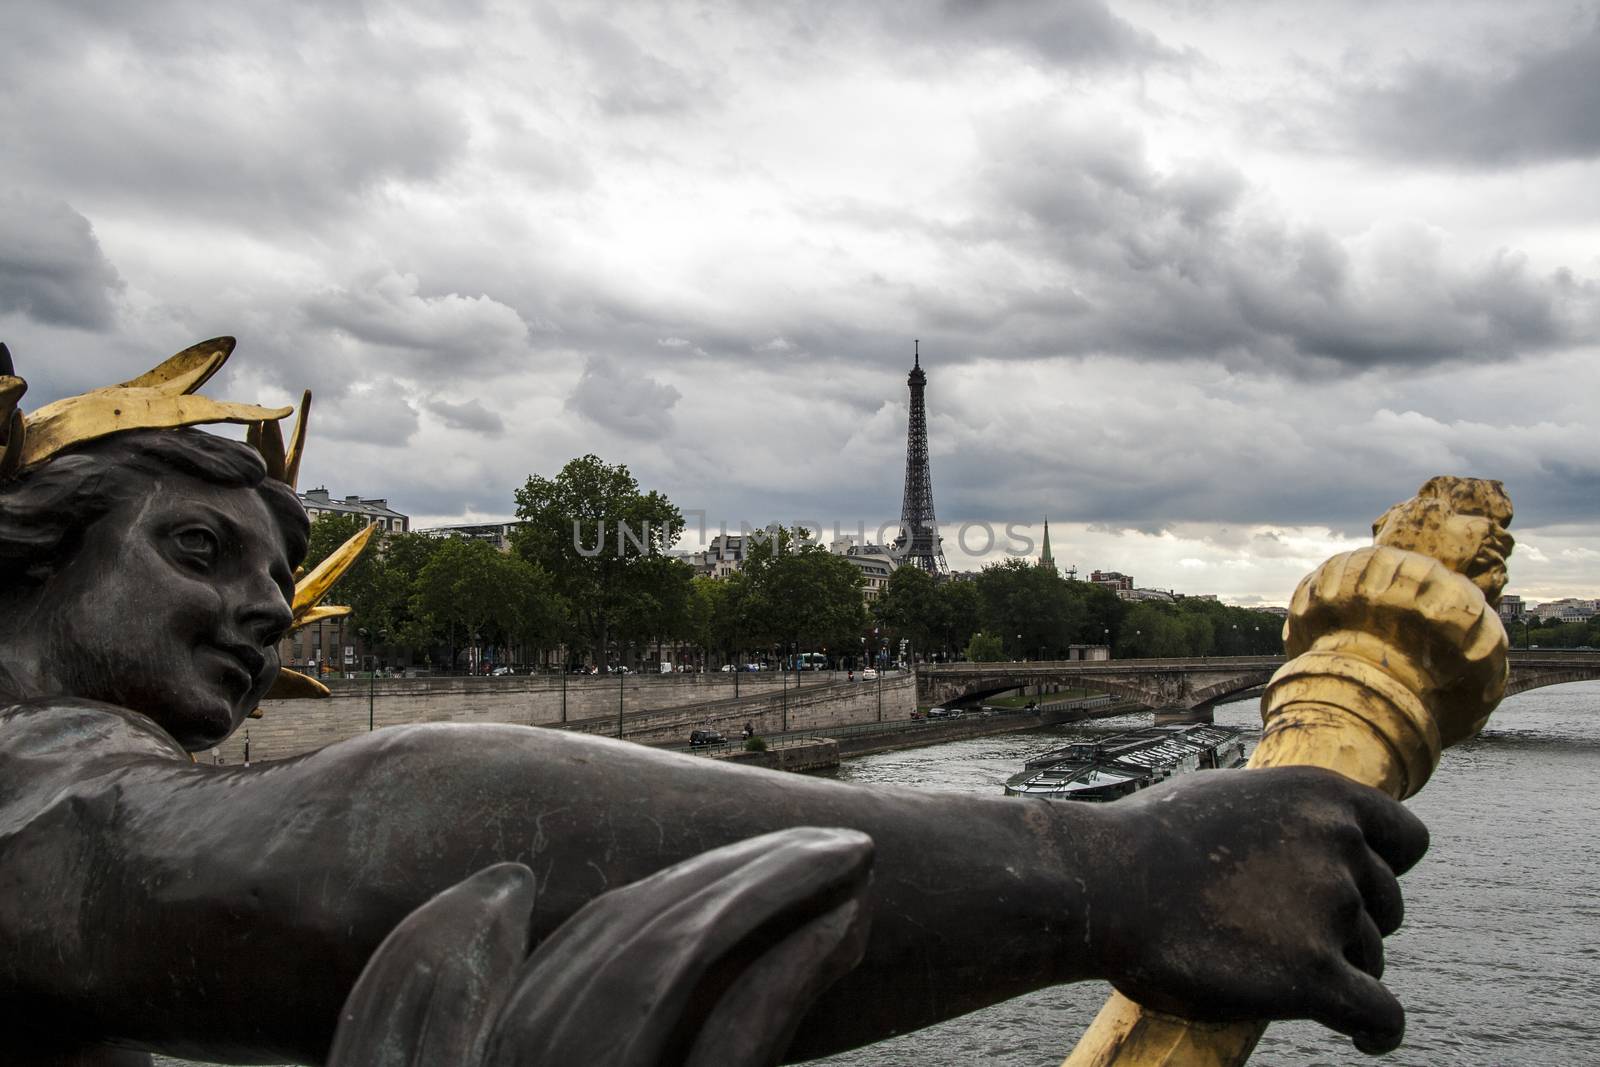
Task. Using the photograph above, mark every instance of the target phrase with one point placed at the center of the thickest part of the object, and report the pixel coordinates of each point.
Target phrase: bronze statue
(538, 893)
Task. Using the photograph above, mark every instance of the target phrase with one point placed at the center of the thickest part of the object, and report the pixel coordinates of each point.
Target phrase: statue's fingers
(430, 993)
(1365, 947)
(777, 988)
(1355, 1003)
(1393, 832)
(633, 977)
(1380, 891)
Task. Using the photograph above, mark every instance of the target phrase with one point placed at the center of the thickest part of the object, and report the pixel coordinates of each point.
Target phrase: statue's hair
(44, 511)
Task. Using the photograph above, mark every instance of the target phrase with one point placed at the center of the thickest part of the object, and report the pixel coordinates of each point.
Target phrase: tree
(360, 587)
(1031, 608)
(910, 607)
(794, 593)
(590, 527)
(480, 594)
(985, 648)
(959, 611)
(404, 557)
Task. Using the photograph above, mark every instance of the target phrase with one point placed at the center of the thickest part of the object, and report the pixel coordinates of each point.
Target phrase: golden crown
(164, 398)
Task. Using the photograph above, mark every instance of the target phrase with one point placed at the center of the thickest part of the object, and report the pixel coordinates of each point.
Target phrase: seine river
(1499, 959)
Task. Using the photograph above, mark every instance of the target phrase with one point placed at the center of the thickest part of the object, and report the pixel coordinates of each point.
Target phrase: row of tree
(1017, 610)
(588, 572)
(1552, 633)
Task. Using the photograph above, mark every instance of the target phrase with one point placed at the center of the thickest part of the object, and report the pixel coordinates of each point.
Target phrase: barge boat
(1127, 762)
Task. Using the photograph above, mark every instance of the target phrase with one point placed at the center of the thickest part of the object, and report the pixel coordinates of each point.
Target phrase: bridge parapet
(1189, 683)
(1192, 682)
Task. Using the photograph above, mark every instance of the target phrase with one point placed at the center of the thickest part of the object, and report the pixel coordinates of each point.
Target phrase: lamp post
(622, 681)
(785, 704)
(564, 669)
(1019, 649)
(880, 695)
(372, 670)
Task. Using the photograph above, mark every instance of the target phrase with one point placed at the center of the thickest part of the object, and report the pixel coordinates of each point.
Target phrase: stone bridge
(1193, 685)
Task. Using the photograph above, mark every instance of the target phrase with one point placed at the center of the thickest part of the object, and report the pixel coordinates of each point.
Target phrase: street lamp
(372, 669)
(1019, 649)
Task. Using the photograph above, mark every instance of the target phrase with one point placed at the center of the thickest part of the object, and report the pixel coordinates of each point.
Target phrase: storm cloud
(52, 269)
(1541, 105)
(1207, 285)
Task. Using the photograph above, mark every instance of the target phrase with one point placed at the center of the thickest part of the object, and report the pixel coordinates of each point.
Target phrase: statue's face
(173, 607)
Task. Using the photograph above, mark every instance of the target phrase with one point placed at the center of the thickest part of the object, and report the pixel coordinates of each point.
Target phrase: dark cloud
(627, 79)
(1184, 264)
(1083, 34)
(447, 332)
(628, 401)
(470, 415)
(374, 412)
(266, 116)
(51, 266)
(1542, 105)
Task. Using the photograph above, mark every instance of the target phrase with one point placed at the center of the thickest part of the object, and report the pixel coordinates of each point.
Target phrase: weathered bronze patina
(1398, 652)
(446, 894)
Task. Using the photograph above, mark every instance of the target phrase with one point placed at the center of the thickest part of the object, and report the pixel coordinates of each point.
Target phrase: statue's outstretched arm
(229, 911)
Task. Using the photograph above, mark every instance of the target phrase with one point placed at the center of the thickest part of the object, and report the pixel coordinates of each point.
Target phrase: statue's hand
(1261, 894)
(712, 961)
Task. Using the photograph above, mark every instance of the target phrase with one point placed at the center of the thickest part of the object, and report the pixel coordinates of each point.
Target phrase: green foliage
(796, 594)
(404, 557)
(959, 615)
(910, 606)
(478, 594)
(362, 586)
(600, 538)
(1554, 634)
(755, 744)
(985, 648)
(1032, 609)
(1194, 627)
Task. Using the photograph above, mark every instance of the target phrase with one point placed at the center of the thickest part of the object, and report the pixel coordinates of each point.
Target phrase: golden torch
(1397, 652)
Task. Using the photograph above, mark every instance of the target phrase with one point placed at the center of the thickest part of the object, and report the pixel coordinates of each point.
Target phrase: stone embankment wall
(655, 708)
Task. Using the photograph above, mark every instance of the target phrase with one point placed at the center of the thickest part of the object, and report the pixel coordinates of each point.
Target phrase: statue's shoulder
(68, 732)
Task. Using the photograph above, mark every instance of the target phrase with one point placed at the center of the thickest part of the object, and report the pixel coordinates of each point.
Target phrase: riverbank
(810, 750)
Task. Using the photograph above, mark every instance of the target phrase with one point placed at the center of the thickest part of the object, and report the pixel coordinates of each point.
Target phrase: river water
(1498, 962)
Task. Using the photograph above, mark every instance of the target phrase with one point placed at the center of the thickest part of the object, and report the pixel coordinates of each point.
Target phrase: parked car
(869, 675)
(501, 672)
(701, 738)
(937, 713)
(954, 713)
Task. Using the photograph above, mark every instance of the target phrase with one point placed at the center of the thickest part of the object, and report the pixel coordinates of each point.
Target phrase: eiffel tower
(919, 543)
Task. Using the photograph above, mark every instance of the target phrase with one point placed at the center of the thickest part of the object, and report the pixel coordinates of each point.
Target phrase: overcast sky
(1206, 284)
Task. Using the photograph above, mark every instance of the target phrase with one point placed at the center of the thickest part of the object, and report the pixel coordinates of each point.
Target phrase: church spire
(1045, 558)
